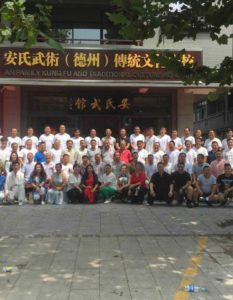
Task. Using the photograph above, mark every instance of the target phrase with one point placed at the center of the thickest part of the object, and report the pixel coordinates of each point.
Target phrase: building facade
(100, 82)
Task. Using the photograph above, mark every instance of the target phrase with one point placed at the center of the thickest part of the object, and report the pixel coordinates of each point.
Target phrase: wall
(184, 110)
(11, 109)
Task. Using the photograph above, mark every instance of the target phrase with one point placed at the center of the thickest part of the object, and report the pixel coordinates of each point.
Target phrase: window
(199, 110)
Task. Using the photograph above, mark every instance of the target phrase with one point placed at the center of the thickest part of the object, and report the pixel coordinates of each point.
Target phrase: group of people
(139, 168)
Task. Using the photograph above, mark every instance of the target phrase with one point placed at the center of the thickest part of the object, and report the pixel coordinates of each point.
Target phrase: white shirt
(67, 170)
(177, 142)
(27, 170)
(63, 138)
(142, 155)
(12, 140)
(96, 138)
(191, 156)
(208, 143)
(169, 168)
(49, 169)
(189, 138)
(224, 144)
(13, 179)
(25, 152)
(158, 156)
(173, 157)
(201, 150)
(110, 178)
(112, 141)
(34, 141)
(56, 155)
(228, 155)
(73, 180)
(5, 154)
(164, 140)
(150, 140)
(48, 140)
(79, 154)
(76, 142)
(135, 138)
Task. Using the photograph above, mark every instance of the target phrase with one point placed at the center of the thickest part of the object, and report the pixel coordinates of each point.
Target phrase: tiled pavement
(115, 252)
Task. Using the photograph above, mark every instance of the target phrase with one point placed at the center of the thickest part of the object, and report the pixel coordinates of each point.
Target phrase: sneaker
(20, 203)
(107, 201)
(42, 203)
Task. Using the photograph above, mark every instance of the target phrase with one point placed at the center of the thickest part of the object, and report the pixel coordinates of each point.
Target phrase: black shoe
(189, 203)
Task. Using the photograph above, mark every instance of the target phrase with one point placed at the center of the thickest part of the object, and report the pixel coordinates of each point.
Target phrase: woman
(57, 184)
(8, 165)
(137, 187)
(108, 185)
(74, 191)
(123, 182)
(90, 184)
(37, 180)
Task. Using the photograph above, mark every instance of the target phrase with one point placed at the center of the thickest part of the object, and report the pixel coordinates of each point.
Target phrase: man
(62, 136)
(28, 167)
(91, 137)
(4, 151)
(212, 138)
(228, 154)
(48, 165)
(187, 166)
(206, 186)
(123, 137)
(14, 187)
(150, 167)
(225, 184)
(168, 168)
(70, 151)
(150, 140)
(93, 150)
(217, 165)
(164, 139)
(198, 168)
(160, 186)
(107, 152)
(187, 137)
(199, 149)
(77, 139)
(157, 153)
(108, 137)
(81, 152)
(176, 140)
(14, 138)
(56, 152)
(173, 154)
(181, 185)
(47, 137)
(30, 136)
(40, 154)
(125, 154)
(117, 163)
(191, 156)
(212, 153)
(229, 135)
(28, 149)
(135, 137)
(98, 167)
(142, 153)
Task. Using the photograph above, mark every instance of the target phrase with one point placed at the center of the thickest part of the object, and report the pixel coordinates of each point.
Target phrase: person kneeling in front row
(225, 184)
(160, 186)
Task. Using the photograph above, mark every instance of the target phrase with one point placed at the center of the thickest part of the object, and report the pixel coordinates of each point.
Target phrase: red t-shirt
(136, 178)
(125, 156)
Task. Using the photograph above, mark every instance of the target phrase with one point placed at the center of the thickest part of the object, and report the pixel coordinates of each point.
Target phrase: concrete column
(11, 109)
(184, 110)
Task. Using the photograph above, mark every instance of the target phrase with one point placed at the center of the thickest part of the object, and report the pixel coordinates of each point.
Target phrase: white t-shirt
(135, 138)
(25, 152)
(56, 155)
(173, 157)
(79, 154)
(76, 142)
(27, 170)
(49, 168)
(67, 169)
(228, 155)
(169, 168)
(5, 154)
(158, 156)
(177, 142)
(112, 141)
(142, 155)
(164, 140)
(34, 141)
(12, 140)
(224, 144)
(63, 138)
(73, 180)
(189, 138)
(48, 140)
(111, 177)
(150, 140)
(201, 150)
(88, 141)
(208, 143)
(191, 156)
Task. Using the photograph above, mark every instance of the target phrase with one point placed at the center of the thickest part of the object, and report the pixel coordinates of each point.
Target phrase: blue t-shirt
(2, 182)
(39, 157)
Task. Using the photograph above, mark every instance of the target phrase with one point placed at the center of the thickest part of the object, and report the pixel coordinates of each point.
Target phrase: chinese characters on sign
(87, 64)
(99, 105)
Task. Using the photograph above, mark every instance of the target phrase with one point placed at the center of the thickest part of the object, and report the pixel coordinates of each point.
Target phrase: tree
(18, 25)
(139, 19)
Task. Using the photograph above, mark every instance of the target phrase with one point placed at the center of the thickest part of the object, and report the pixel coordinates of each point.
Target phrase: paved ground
(115, 251)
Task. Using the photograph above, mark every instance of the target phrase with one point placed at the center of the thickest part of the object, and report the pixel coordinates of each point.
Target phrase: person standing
(164, 139)
(228, 154)
(30, 136)
(150, 140)
(77, 139)
(135, 137)
(47, 137)
(14, 138)
(62, 136)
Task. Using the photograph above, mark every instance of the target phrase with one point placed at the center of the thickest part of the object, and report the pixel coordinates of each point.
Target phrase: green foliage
(17, 25)
(139, 19)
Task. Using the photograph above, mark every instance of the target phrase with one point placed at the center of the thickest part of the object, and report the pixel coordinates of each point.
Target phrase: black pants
(75, 196)
(160, 196)
(123, 193)
(137, 194)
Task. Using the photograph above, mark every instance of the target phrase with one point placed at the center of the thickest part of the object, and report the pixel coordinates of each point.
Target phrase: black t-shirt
(179, 180)
(224, 182)
(161, 183)
(120, 139)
